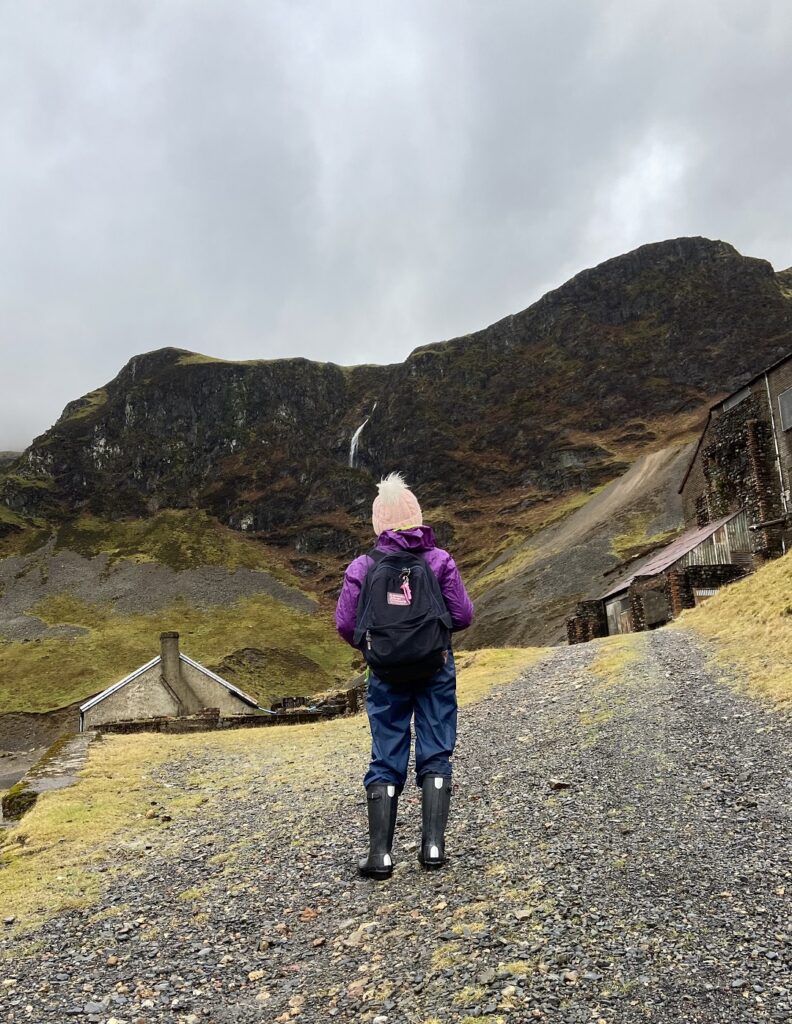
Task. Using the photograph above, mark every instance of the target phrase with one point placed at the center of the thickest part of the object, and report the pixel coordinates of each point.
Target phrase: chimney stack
(172, 674)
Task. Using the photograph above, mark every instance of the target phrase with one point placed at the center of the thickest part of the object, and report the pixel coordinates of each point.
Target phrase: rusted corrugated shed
(665, 557)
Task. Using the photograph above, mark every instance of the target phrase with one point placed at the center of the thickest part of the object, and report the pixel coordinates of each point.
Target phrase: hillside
(218, 496)
(556, 397)
(525, 593)
(86, 607)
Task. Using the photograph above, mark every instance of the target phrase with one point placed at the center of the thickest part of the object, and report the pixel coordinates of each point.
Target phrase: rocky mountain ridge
(562, 395)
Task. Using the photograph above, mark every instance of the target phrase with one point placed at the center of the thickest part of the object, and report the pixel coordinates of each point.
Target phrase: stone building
(169, 686)
(743, 461)
(681, 575)
(736, 501)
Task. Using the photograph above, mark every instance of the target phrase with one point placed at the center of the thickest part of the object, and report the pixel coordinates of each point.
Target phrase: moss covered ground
(177, 538)
(614, 655)
(180, 539)
(503, 545)
(303, 652)
(479, 671)
(88, 405)
(636, 540)
(10, 518)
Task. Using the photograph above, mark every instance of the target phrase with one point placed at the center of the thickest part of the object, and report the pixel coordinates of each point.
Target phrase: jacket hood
(419, 538)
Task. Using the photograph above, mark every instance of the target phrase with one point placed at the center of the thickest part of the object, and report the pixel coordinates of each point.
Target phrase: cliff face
(556, 397)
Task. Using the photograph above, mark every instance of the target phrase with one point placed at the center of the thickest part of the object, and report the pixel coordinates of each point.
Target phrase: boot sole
(430, 865)
(376, 876)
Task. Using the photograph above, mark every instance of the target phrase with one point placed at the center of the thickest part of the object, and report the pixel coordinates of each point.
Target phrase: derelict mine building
(737, 502)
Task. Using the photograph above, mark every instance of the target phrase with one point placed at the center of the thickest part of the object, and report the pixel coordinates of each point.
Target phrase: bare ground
(620, 852)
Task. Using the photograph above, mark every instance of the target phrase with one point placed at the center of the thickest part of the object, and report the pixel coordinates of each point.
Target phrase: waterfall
(353, 444)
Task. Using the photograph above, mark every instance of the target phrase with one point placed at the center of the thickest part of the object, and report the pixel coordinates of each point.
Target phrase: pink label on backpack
(394, 598)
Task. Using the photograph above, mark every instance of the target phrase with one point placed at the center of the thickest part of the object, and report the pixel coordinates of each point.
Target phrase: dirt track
(620, 852)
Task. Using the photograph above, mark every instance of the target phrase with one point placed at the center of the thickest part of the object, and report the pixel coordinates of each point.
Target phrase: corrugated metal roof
(666, 556)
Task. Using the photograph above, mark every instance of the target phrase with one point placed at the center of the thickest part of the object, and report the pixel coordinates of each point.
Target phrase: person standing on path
(399, 604)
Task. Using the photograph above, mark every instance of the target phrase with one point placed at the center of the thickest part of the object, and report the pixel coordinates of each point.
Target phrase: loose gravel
(619, 852)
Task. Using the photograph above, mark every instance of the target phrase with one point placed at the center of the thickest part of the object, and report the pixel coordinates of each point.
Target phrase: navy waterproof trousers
(390, 710)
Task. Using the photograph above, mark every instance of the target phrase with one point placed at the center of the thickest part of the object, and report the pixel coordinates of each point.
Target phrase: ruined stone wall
(650, 601)
(715, 576)
(588, 622)
(655, 600)
(681, 581)
(735, 467)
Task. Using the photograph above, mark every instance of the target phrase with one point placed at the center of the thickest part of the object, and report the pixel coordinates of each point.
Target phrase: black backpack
(403, 626)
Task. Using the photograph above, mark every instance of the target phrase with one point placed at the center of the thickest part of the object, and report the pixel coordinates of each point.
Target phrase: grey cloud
(347, 180)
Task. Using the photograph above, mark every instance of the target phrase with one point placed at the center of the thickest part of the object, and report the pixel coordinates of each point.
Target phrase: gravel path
(620, 853)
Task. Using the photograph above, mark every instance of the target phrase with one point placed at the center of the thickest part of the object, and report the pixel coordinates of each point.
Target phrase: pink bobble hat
(395, 507)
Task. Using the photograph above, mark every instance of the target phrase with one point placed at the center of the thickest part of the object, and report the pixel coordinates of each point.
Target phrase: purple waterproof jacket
(419, 540)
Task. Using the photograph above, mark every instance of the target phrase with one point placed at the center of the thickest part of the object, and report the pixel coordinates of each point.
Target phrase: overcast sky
(348, 180)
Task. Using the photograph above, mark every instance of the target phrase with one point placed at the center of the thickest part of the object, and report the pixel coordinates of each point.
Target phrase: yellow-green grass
(614, 656)
(478, 671)
(470, 995)
(54, 672)
(42, 483)
(177, 538)
(24, 536)
(199, 359)
(48, 861)
(90, 403)
(751, 623)
(11, 518)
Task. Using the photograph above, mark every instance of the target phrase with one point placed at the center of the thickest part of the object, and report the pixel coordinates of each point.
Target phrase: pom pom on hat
(395, 507)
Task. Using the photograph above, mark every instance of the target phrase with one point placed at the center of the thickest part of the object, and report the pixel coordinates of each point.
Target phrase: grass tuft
(751, 622)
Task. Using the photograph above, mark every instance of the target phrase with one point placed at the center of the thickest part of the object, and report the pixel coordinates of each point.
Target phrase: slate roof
(665, 557)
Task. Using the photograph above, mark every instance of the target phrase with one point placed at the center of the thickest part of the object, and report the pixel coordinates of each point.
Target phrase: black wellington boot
(436, 802)
(382, 802)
